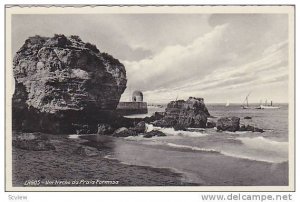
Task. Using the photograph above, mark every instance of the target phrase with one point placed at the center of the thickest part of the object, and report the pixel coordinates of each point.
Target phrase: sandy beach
(63, 164)
(106, 158)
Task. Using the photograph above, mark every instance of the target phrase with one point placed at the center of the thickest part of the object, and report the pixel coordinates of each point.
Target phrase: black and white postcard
(150, 98)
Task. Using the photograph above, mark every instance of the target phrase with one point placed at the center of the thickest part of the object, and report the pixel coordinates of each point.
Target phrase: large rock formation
(61, 81)
(190, 113)
(228, 123)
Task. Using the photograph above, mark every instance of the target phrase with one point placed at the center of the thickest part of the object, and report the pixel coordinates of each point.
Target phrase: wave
(74, 136)
(171, 131)
(237, 132)
(265, 144)
(279, 156)
(191, 148)
(253, 158)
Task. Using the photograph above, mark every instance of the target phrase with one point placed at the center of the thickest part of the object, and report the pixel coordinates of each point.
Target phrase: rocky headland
(64, 85)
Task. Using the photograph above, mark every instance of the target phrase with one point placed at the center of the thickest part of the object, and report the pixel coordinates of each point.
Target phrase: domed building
(137, 96)
(136, 106)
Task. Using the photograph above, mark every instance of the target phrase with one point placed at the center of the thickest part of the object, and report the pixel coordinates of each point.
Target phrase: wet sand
(135, 164)
(64, 164)
(200, 167)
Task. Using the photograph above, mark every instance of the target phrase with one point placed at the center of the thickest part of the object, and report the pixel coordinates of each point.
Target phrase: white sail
(246, 102)
(227, 103)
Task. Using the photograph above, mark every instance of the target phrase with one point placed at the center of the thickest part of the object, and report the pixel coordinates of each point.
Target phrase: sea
(207, 156)
(270, 146)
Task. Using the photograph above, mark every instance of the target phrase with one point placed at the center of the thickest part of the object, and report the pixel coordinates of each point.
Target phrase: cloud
(214, 56)
(176, 64)
(241, 53)
(270, 68)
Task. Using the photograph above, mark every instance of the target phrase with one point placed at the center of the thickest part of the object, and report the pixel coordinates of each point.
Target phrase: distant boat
(245, 104)
(267, 106)
(227, 104)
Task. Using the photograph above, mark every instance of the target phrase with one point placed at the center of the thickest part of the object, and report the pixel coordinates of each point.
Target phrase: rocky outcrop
(104, 129)
(190, 113)
(154, 133)
(250, 128)
(124, 132)
(228, 124)
(156, 116)
(211, 124)
(139, 127)
(61, 81)
(178, 127)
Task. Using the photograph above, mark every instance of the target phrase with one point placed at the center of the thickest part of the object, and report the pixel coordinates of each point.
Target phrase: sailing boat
(227, 104)
(243, 106)
(268, 106)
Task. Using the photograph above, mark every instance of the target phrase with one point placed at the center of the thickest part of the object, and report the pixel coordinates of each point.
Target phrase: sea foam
(265, 144)
(171, 131)
(191, 148)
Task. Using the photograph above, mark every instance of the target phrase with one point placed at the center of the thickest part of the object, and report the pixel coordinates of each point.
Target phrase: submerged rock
(104, 129)
(154, 133)
(32, 142)
(190, 113)
(247, 117)
(250, 128)
(179, 127)
(61, 81)
(124, 132)
(81, 129)
(156, 116)
(84, 151)
(228, 124)
(211, 124)
(140, 127)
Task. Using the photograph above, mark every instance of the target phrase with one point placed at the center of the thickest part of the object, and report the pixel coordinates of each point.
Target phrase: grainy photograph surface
(170, 98)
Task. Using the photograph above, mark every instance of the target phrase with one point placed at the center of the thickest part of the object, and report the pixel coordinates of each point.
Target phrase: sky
(219, 57)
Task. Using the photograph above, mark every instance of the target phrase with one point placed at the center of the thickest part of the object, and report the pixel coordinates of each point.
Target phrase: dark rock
(156, 116)
(85, 151)
(250, 128)
(164, 123)
(62, 81)
(82, 129)
(140, 127)
(258, 130)
(179, 127)
(190, 113)
(242, 128)
(124, 132)
(228, 124)
(247, 117)
(154, 133)
(104, 129)
(32, 142)
(211, 124)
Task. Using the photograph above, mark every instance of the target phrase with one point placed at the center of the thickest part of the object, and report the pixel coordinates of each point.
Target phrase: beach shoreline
(134, 164)
(62, 164)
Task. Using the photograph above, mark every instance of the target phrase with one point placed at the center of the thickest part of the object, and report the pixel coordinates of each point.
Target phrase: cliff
(62, 81)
